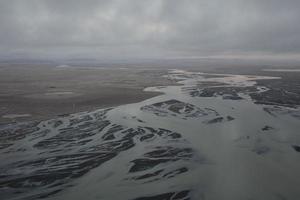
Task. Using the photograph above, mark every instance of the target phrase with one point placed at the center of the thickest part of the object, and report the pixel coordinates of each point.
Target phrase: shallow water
(12, 116)
(173, 146)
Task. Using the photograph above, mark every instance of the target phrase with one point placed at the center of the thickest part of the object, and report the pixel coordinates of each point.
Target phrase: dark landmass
(230, 118)
(226, 92)
(277, 95)
(267, 128)
(178, 109)
(183, 195)
(297, 148)
(282, 92)
(215, 120)
(43, 92)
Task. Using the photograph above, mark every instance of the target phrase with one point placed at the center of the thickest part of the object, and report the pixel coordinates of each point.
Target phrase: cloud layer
(150, 28)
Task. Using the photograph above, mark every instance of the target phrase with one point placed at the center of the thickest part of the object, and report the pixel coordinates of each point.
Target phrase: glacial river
(183, 144)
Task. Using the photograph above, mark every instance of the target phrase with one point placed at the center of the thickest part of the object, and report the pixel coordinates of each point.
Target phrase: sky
(150, 28)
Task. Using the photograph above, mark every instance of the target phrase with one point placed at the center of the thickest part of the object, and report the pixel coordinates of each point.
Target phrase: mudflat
(34, 92)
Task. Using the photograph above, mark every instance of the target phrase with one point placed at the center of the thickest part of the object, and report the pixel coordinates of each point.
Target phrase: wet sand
(35, 92)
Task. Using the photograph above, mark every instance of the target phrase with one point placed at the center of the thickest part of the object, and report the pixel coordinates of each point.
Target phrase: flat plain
(35, 92)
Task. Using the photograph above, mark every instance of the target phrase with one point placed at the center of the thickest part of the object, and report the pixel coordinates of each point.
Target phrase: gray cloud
(150, 28)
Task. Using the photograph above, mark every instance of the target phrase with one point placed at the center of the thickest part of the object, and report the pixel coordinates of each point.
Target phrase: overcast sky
(150, 28)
